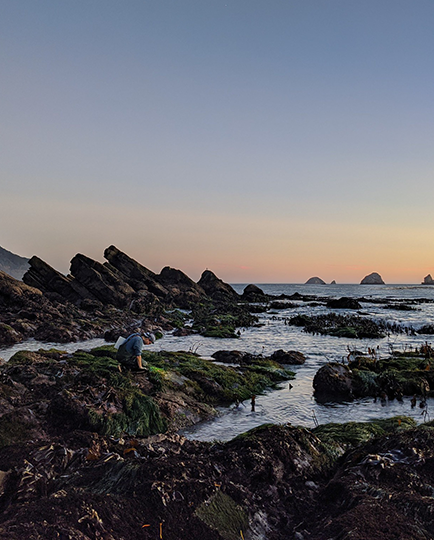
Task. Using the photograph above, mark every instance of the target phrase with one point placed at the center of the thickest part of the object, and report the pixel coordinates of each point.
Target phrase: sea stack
(372, 279)
(315, 281)
(428, 280)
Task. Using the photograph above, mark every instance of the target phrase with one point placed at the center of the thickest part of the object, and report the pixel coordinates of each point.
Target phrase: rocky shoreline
(90, 452)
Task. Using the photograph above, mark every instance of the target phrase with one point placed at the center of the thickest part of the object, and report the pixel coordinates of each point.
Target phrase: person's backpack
(122, 355)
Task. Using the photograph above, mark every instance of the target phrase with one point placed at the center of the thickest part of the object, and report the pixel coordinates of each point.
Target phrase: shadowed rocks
(372, 279)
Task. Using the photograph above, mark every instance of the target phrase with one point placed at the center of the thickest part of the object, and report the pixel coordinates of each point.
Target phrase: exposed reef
(401, 374)
(83, 456)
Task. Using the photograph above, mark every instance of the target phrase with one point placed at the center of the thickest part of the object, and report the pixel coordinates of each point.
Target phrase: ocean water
(297, 405)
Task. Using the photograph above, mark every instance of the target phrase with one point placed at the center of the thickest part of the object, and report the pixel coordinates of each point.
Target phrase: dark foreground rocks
(88, 452)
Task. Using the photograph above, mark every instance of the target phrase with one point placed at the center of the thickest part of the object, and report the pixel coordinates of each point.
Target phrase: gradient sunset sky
(269, 141)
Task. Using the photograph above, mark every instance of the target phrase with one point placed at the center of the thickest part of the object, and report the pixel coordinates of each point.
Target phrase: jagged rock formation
(12, 264)
(85, 299)
(372, 279)
(138, 276)
(105, 284)
(315, 281)
(216, 288)
(428, 280)
(333, 282)
(45, 278)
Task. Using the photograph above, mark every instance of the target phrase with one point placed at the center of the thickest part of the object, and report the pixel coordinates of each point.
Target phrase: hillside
(12, 264)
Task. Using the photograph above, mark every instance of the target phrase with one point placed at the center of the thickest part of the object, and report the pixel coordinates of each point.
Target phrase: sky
(267, 140)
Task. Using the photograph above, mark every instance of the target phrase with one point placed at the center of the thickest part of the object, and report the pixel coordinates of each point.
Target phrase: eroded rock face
(44, 277)
(184, 292)
(216, 288)
(105, 285)
(428, 280)
(372, 279)
(137, 275)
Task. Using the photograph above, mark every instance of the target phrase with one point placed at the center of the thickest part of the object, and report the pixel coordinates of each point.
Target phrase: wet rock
(343, 303)
(216, 288)
(229, 357)
(288, 357)
(372, 279)
(334, 381)
(8, 335)
(315, 281)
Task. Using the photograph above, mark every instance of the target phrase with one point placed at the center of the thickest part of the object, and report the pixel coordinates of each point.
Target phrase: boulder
(216, 288)
(104, 284)
(333, 282)
(229, 357)
(252, 293)
(343, 303)
(333, 381)
(428, 280)
(288, 357)
(138, 276)
(315, 281)
(372, 279)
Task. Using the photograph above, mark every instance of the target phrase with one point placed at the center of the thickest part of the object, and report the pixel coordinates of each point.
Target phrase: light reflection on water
(297, 405)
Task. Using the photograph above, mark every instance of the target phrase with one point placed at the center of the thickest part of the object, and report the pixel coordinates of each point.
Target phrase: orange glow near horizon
(237, 249)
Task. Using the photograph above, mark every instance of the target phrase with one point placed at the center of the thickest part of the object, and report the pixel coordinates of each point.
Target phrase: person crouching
(129, 353)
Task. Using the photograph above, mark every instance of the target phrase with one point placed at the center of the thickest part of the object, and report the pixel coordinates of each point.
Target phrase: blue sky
(268, 141)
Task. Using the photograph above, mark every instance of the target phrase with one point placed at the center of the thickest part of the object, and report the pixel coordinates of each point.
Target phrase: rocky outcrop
(253, 293)
(315, 281)
(372, 279)
(428, 280)
(45, 278)
(343, 303)
(137, 275)
(288, 357)
(16, 293)
(216, 288)
(12, 264)
(334, 382)
(184, 292)
(105, 285)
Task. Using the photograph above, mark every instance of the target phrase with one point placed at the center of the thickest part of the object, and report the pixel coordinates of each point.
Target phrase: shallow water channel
(297, 404)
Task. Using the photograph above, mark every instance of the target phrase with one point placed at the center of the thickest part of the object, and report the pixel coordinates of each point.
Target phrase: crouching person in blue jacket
(130, 352)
